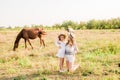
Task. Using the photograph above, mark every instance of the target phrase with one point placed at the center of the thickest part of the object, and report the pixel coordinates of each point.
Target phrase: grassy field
(99, 56)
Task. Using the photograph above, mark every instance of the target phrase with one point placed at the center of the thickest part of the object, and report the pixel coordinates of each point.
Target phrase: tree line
(92, 24)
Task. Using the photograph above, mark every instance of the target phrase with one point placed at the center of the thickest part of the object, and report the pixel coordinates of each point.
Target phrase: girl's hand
(59, 46)
(76, 51)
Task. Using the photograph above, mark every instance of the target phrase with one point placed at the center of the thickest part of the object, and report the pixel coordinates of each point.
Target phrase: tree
(69, 23)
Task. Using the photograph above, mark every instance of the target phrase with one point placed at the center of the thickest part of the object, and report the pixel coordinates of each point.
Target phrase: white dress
(61, 51)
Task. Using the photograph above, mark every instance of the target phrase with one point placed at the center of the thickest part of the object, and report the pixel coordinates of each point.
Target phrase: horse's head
(41, 31)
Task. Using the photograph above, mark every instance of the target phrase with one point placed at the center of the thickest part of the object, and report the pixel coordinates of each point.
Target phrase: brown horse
(27, 34)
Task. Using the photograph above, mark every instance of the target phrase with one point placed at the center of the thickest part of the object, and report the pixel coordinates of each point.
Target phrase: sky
(50, 12)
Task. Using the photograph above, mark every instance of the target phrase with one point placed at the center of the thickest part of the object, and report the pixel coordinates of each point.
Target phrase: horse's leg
(43, 42)
(30, 43)
(25, 44)
(40, 42)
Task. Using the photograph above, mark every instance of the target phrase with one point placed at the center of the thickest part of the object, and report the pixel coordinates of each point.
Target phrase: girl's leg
(61, 63)
(67, 65)
(71, 63)
(74, 67)
(70, 66)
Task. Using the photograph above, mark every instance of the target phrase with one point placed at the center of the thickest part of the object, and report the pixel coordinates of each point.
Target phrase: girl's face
(62, 38)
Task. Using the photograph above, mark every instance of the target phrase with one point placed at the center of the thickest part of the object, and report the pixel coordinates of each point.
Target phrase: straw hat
(70, 30)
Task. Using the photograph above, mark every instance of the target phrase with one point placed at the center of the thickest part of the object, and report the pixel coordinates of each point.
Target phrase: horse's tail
(16, 43)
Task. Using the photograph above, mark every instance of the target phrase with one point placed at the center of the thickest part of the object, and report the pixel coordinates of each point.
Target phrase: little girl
(61, 52)
(70, 51)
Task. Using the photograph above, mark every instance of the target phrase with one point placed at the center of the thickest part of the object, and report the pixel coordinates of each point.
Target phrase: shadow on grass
(54, 75)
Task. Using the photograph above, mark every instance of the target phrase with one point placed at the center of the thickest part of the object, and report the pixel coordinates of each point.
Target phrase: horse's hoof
(41, 47)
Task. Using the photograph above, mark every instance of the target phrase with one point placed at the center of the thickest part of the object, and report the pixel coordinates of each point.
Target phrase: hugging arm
(76, 48)
(57, 43)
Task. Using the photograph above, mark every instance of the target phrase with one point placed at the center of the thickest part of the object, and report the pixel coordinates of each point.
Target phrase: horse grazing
(27, 34)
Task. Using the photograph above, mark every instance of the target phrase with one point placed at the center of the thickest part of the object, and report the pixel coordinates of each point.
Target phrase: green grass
(98, 56)
(24, 62)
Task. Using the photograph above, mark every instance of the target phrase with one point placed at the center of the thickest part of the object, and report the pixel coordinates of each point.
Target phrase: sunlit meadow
(98, 56)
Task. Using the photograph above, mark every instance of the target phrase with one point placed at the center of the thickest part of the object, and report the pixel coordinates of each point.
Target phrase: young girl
(61, 52)
(70, 51)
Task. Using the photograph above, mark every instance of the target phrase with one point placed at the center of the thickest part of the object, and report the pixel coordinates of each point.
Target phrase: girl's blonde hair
(61, 35)
(70, 40)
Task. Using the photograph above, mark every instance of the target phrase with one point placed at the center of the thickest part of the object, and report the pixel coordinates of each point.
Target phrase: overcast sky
(49, 12)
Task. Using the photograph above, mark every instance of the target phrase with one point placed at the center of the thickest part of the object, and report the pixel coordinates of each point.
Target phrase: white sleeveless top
(70, 50)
